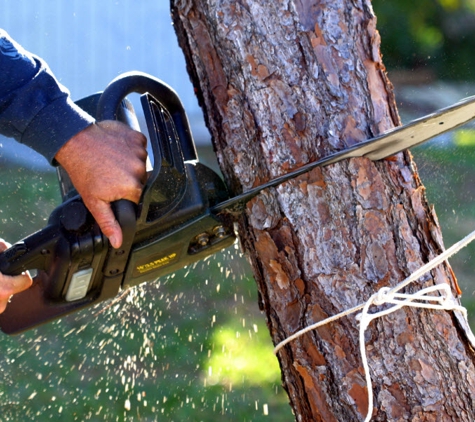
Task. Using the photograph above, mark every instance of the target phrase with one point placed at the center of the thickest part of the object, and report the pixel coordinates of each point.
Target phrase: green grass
(192, 347)
(148, 356)
(26, 199)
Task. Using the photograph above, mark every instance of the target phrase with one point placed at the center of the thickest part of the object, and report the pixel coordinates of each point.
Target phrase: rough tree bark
(283, 83)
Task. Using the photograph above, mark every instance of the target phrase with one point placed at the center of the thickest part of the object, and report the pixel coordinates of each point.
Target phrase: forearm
(105, 161)
(34, 108)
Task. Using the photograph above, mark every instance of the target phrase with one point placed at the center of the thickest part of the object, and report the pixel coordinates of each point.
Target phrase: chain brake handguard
(170, 228)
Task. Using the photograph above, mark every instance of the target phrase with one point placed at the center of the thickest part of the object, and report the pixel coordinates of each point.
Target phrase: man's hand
(106, 162)
(9, 285)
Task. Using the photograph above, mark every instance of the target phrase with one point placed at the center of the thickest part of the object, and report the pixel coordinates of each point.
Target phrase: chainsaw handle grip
(10, 264)
(142, 83)
(126, 215)
(32, 253)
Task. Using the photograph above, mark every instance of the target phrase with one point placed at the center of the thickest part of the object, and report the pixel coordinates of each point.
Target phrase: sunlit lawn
(191, 347)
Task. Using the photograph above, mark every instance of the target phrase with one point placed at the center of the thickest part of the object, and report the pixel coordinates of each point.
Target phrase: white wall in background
(87, 43)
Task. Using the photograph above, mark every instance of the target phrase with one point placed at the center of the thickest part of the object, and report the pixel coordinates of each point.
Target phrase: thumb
(10, 285)
(4, 245)
(105, 218)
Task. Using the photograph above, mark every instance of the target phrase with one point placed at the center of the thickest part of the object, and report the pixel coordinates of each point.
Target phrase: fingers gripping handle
(125, 213)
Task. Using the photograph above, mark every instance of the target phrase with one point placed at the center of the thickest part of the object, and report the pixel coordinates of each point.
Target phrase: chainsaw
(184, 215)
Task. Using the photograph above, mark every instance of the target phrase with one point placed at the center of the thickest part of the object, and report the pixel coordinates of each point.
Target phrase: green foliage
(465, 138)
(447, 171)
(434, 35)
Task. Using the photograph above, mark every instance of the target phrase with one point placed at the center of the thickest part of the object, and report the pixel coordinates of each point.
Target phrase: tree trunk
(284, 83)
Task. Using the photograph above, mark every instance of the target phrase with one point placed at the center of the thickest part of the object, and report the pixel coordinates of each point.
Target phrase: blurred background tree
(436, 37)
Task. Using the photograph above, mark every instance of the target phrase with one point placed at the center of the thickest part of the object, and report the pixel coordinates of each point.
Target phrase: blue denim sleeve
(35, 108)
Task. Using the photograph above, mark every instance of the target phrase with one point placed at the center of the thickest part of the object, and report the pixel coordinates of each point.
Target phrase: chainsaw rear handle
(58, 253)
(170, 139)
(142, 83)
(29, 253)
(55, 253)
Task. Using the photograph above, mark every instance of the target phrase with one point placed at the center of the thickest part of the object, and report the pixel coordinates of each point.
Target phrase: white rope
(386, 295)
(445, 302)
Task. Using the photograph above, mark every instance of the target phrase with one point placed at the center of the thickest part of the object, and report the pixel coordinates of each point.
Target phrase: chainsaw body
(184, 214)
(170, 228)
